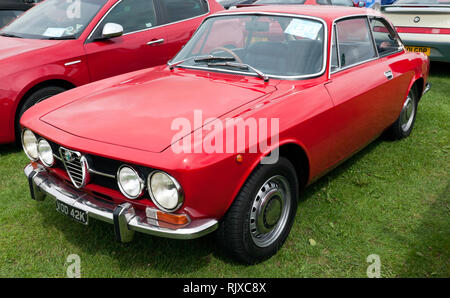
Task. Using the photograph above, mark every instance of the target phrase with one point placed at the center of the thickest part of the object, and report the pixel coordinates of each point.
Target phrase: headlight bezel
(49, 165)
(178, 187)
(140, 180)
(24, 147)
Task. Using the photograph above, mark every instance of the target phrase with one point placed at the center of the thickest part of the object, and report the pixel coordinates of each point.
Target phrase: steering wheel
(228, 51)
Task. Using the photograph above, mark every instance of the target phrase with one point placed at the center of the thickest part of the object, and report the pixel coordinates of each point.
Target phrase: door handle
(389, 75)
(155, 42)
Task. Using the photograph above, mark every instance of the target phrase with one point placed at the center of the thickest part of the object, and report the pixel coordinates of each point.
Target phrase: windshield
(6, 16)
(422, 2)
(55, 19)
(277, 46)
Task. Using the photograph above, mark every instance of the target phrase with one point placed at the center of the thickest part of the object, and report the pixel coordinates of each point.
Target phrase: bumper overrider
(122, 216)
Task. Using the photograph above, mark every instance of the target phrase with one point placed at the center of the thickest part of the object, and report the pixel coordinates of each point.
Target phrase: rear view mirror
(257, 26)
(111, 30)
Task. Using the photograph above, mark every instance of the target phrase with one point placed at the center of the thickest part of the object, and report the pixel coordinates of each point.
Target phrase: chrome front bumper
(122, 216)
(427, 88)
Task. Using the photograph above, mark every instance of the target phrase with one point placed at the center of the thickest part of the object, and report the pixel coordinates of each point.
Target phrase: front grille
(75, 166)
(87, 169)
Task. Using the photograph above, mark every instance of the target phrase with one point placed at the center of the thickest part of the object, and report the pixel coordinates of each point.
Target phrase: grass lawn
(391, 199)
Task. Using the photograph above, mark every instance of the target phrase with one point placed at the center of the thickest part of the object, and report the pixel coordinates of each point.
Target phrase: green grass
(391, 199)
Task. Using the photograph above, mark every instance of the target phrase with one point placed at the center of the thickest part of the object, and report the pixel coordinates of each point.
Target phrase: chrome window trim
(325, 47)
(385, 23)
(372, 37)
(339, 58)
(138, 31)
(333, 33)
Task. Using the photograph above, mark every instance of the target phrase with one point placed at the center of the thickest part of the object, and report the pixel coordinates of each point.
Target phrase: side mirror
(360, 4)
(111, 30)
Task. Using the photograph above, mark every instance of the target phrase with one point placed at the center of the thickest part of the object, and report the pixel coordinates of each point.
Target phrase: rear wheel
(260, 219)
(403, 126)
(31, 100)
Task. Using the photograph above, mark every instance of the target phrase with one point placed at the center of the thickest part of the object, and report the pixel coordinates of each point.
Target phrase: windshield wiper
(10, 35)
(61, 37)
(242, 66)
(200, 59)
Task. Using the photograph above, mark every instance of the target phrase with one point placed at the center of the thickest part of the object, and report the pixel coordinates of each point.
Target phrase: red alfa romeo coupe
(228, 133)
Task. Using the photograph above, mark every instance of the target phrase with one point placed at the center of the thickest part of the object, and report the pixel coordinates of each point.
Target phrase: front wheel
(260, 219)
(403, 126)
(35, 98)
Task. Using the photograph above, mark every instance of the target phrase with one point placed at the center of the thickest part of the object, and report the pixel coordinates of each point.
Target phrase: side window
(177, 10)
(355, 41)
(385, 38)
(133, 15)
(334, 52)
(348, 3)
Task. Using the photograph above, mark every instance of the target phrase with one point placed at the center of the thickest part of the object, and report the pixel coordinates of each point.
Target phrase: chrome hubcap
(270, 211)
(408, 112)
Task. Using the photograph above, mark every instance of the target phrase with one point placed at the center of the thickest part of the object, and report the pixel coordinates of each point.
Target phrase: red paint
(26, 63)
(127, 118)
(423, 30)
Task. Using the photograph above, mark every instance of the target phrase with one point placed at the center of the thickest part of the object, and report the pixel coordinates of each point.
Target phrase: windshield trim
(299, 77)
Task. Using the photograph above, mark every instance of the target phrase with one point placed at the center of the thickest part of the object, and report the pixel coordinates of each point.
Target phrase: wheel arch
(35, 87)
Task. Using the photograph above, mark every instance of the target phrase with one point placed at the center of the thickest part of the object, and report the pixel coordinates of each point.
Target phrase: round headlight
(130, 184)
(29, 144)
(45, 153)
(165, 191)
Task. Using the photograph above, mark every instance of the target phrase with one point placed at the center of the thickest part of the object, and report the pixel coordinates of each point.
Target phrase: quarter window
(355, 41)
(133, 15)
(334, 52)
(177, 10)
(385, 37)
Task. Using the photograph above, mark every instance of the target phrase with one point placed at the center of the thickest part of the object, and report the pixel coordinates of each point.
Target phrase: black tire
(31, 100)
(234, 233)
(399, 129)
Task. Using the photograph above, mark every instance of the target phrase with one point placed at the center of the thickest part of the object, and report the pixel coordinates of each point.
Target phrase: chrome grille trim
(76, 166)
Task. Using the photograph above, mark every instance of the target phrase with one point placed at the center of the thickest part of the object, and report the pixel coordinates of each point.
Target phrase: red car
(59, 45)
(228, 133)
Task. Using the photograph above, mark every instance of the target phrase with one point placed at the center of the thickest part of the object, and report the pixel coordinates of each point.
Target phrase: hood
(139, 113)
(14, 47)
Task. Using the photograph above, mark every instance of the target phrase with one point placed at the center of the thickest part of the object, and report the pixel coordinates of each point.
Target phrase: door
(394, 65)
(357, 85)
(182, 18)
(142, 45)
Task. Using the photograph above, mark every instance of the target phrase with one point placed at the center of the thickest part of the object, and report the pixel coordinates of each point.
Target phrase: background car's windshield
(54, 19)
(6, 16)
(275, 45)
(422, 2)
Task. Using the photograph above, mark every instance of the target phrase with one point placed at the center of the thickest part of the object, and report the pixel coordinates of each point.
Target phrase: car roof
(325, 12)
(15, 5)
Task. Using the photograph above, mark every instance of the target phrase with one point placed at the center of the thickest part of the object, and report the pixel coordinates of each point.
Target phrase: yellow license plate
(424, 50)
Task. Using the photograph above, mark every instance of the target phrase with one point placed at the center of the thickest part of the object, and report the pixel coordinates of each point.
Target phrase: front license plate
(72, 212)
(424, 50)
